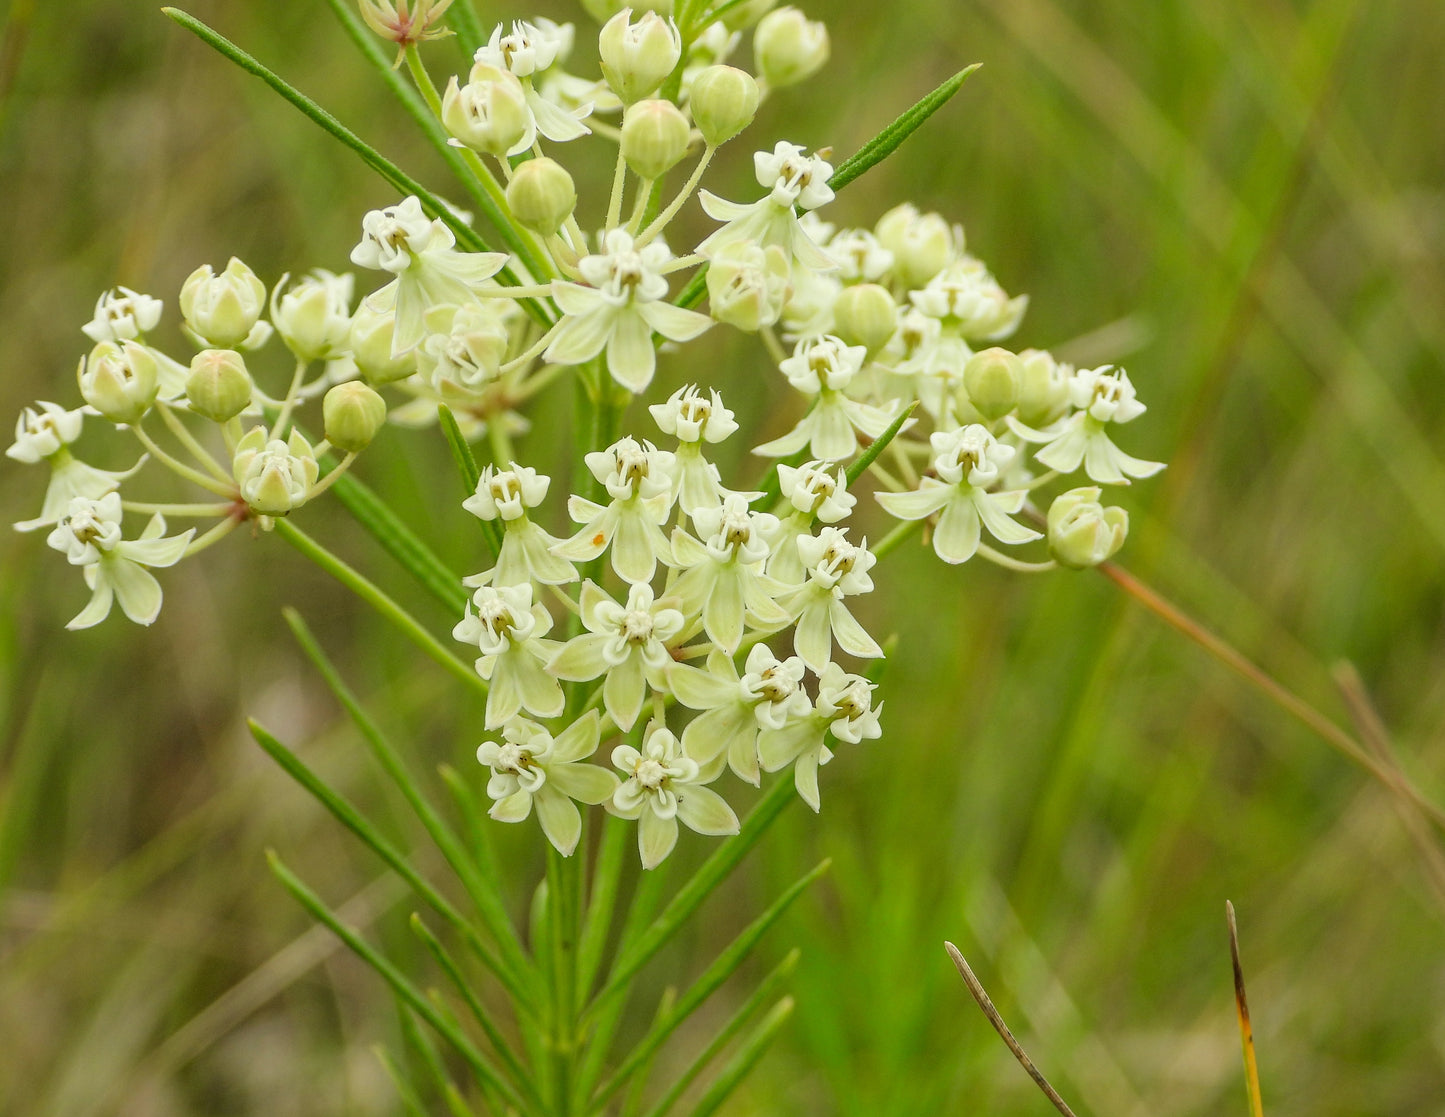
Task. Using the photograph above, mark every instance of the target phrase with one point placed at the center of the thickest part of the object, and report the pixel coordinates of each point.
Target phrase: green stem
(998, 558)
(278, 429)
(215, 535)
(195, 476)
(188, 440)
(678, 202)
(895, 537)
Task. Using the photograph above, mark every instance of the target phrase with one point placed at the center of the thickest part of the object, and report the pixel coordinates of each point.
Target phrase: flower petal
(561, 820)
(655, 838)
(587, 783)
(705, 811)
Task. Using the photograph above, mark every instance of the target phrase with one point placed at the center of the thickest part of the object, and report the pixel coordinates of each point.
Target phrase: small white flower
(624, 304)
(466, 348)
(314, 316)
(835, 569)
(793, 180)
(641, 480)
(769, 695)
(844, 708)
(661, 785)
(526, 553)
(860, 257)
(824, 366)
(626, 642)
(1102, 397)
(123, 315)
(965, 296)
(42, 434)
(532, 52)
(508, 629)
(275, 477)
(967, 461)
(748, 285)
(695, 419)
(89, 535)
(529, 766)
(422, 254)
(814, 494)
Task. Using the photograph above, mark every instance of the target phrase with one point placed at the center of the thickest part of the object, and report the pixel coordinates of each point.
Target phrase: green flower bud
(637, 57)
(274, 476)
(1043, 388)
(541, 195)
(224, 309)
(922, 243)
(654, 138)
(1082, 532)
(313, 318)
(991, 378)
(865, 315)
(352, 414)
(219, 387)
(371, 336)
(489, 113)
(789, 47)
(120, 380)
(724, 101)
(747, 285)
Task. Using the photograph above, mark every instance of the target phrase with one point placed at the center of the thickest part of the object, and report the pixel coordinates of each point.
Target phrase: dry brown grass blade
(1246, 1029)
(975, 987)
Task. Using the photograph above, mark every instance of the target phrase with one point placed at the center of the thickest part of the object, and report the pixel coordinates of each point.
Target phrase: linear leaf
(372, 594)
(695, 891)
(409, 1099)
(444, 1027)
(358, 824)
(879, 444)
(886, 142)
(467, 466)
(724, 1036)
(401, 543)
(607, 876)
(481, 888)
(739, 1066)
(463, 19)
(721, 969)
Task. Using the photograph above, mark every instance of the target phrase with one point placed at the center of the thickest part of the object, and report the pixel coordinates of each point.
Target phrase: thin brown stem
(1246, 1029)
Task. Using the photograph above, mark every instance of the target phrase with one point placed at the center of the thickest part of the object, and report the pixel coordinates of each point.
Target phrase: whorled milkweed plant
(665, 632)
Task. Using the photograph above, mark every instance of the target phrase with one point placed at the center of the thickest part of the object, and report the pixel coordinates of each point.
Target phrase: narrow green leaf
(632, 1103)
(879, 444)
(467, 466)
(886, 142)
(409, 1099)
(463, 20)
(721, 969)
(722, 10)
(696, 287)
(369, 592)
(481, 888)
(711, 873)
(606, 877)
(724, 1036)
(421, 1045)
(354, 821)
(401, 543)
(472, 813)
(741, 1064)
(444, 1027)
(519, 1074)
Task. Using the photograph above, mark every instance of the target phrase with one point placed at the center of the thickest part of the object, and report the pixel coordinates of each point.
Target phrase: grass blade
(696, 890)
(735, 1024)
(359, 825)
(404, 1089)
(482, 888)
(879, 444)
(1246, 1027)
(886, 142)
(721, 969)
(401, 543)
(741, 1064)
(480, 1065)
(369, 592)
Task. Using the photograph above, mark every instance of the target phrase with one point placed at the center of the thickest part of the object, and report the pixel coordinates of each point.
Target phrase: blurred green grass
(1245, 202)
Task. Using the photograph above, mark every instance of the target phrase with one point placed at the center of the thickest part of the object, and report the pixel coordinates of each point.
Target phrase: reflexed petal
(701, 690)
(655, 838)
(674, 322)
(705, 811)
(712, 733)
(157, 552)
(956, 537)
(722, 610)
(514, 808)
(917, 504)
(805, 778)
(553, 121)
(504, 700)
(990, 507)
(136, 591)
(779, 747)
(587, 783)
(560, 819)
(633, 554)
(581, 337)
(581, 658)
(1066, 452)
(812, 639)
(850, 634)
(630, 356)
(720, 209)
(97, 609)
(578, 741)
(624, 691)
(540, 692)
(833, 436)
(789, 443)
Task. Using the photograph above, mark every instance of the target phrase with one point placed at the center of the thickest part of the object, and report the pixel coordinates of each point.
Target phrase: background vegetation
(1244, 201)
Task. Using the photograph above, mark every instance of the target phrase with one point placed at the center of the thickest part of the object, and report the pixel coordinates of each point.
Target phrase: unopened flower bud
(274, 476)
(120, 380)
(724, 101)
(352, 414)
(789, 47)
(747, 285)
(314, 317)
(922, 243)
(219, 386)
(991, 378)
(371, 339)
(654, 138)
(541, 195)
(406, 22)
(865, 315)
(224, 309)
(489, 113)
(1043, 387)
(637, 57)
(1082, 532)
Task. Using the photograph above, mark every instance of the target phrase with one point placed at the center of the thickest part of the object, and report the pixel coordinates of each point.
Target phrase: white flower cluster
(669, 590)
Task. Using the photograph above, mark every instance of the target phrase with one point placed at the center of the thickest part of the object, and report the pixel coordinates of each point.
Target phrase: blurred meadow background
(1243, 201)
